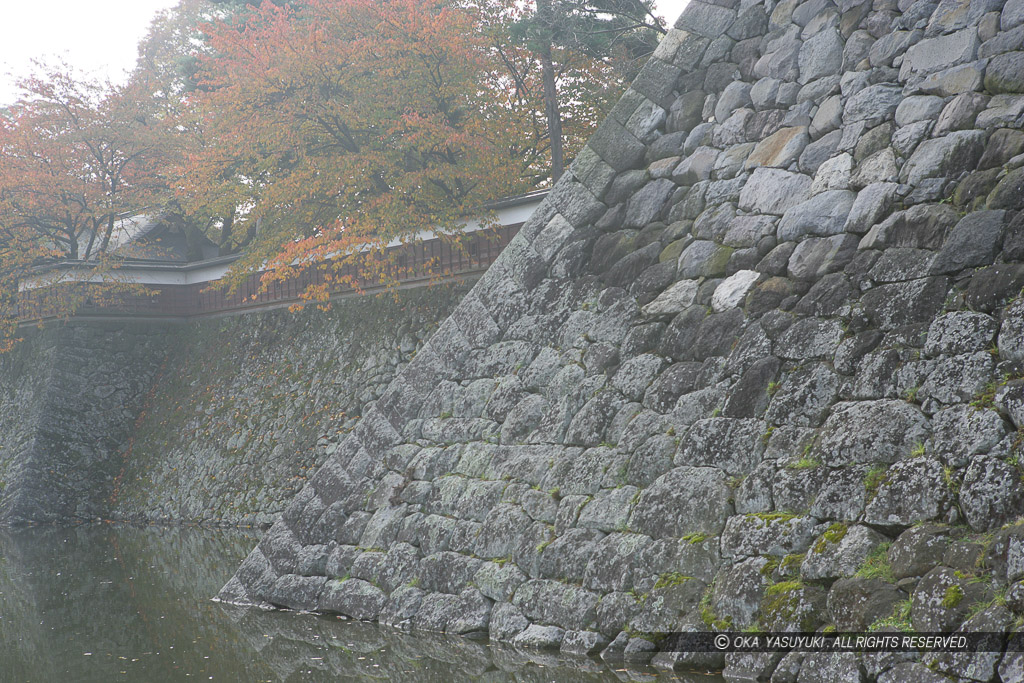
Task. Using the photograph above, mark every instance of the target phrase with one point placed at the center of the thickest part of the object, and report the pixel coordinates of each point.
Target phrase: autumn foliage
(304, 133)
(76, 157)
(349, 124)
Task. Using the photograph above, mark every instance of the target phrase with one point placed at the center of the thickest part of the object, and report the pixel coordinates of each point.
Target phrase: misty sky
(97, 37)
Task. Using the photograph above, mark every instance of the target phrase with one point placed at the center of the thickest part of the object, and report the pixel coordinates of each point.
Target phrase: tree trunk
(107, 234)
(224, 247)
(554, 118)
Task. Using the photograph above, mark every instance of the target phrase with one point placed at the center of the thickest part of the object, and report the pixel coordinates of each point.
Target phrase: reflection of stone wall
(69, 396)
(767, 326)
(133, 599)
(137, 600)
(238, 416)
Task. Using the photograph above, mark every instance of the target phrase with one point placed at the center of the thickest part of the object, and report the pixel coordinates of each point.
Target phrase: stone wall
(69, 396)
(246, 408)
(25, 371)
(215, 422)
(754, 363)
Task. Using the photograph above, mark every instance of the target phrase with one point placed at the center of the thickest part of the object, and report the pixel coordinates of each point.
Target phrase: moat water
(109, 603)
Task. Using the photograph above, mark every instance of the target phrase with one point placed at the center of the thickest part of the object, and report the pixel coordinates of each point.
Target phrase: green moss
(804, 463)
(899, 619)
(782, 588)
(694, 539)
(985, 398)
(873, 480)
(643, 635)
(783, 604)
(770, 518)
(669, 579)
(833, 535)
(998, 599)
(971, 577)
(708, 616)
(791, 564)
(876, 565)
(953, 483)
(952, 597)
(768, 570)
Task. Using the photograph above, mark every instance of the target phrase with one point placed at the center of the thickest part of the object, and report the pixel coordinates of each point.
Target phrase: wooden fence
(414, 264)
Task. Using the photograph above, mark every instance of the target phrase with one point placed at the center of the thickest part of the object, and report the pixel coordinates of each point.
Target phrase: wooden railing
(415, 264)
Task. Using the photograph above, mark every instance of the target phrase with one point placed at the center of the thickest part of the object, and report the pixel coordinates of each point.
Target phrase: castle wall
(754, 363)
(70, 395)
(246, 408)
(217, 421)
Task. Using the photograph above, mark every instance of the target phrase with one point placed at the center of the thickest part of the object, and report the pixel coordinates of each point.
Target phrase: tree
(304, 129)
(19, 251)
(619, 33)
(76, 158)
(338, 126)
(169, 54)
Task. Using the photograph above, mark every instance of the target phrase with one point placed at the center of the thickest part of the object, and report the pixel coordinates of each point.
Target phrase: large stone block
(805, 397)
(821, 55)
(904, 303)
(856, 603)
(683, 501)
(780, 149)
(354, 598)
(874, 104)
(963, 431)
(777, 534)
(935, 54)
(973, 242)
(912, 491)
(945, 157)
(556, 603)
(823, 214)
(706, 19)
(871, 431)
(738, 590)
(992, 493)
(1005, 73)
(734, 445)
(840, 552)
(617, 146)
(774, 191)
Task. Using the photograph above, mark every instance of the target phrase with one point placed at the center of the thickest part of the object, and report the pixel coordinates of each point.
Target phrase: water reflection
(112, 603)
